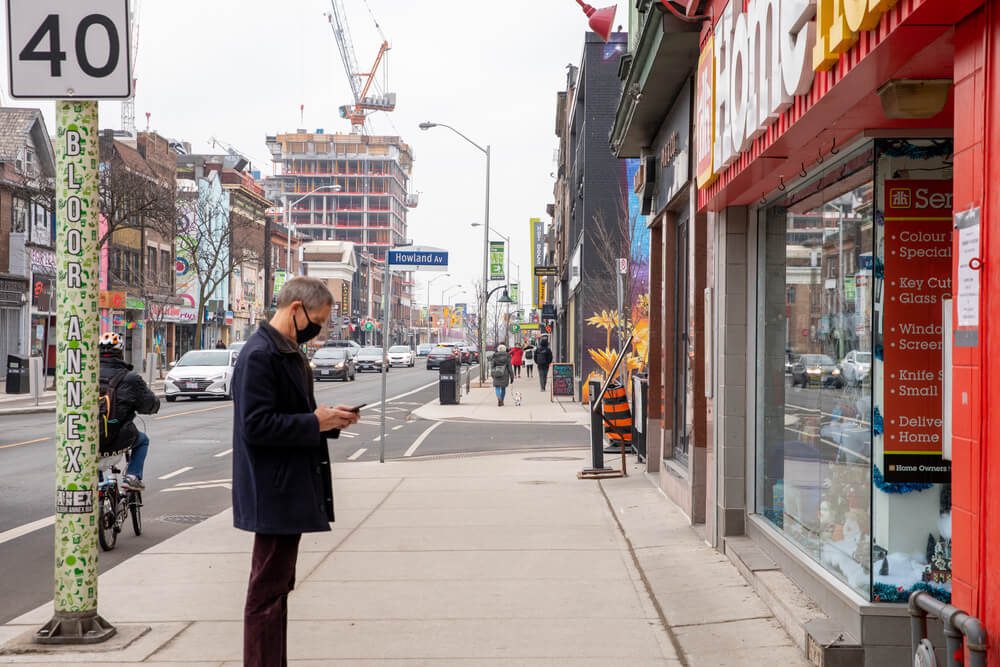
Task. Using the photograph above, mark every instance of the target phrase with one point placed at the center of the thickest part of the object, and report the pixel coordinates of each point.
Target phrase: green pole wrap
(77, 357)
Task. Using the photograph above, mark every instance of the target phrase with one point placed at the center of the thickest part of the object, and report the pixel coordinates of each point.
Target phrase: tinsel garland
(896, 487)
(888, 593)
(904, 148)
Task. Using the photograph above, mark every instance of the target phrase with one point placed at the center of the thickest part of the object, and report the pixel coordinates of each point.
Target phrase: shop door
(682, 346)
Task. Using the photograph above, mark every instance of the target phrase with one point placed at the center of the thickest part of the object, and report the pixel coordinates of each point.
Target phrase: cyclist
(131, 396)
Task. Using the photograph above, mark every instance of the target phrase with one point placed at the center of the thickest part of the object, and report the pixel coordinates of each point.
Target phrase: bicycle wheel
(107, 534)
(135, 509)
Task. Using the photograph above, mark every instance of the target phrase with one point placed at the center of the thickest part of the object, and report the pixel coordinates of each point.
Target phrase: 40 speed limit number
(60, 50)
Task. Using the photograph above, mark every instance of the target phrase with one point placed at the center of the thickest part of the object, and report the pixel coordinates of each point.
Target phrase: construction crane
(368, 97)
(128, 105)
(243, 160)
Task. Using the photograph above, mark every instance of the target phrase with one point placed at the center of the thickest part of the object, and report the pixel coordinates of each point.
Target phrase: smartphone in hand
(357, 408)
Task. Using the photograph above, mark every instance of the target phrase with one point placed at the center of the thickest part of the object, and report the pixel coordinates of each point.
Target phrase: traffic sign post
(77, 53)
(402, 259)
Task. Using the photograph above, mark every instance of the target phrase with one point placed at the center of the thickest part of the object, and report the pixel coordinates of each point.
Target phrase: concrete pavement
(491, 559)
(480, 404)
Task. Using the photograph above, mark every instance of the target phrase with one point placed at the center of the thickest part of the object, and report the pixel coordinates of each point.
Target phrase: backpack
(499, 372)
(109, 426)
(529, 354)
(543, 357)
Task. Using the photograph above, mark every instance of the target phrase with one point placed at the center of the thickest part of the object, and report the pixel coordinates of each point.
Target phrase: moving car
(352, 346)
(333, 363)
(469, 354)
(201, 373)
(816, 369)
(439, 354)
(856, 366)
(371, 359)
(401, 355)
(424, 349)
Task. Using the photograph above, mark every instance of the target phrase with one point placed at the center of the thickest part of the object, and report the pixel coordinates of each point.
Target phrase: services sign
(918, 249)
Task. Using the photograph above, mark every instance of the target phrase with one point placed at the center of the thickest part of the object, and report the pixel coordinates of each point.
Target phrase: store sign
(759, 59)
(345, 297)
(43, 290)
(918, 249)
(537, 256)
(43, 261)
(113, 300)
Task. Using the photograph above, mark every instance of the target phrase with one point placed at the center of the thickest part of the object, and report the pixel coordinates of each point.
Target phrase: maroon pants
(265, 616)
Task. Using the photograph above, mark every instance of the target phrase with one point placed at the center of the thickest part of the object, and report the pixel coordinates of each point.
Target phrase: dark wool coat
(282, 484)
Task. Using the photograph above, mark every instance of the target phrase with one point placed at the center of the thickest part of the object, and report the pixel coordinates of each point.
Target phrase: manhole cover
(554, 458)
(536, 481)
(183, 518)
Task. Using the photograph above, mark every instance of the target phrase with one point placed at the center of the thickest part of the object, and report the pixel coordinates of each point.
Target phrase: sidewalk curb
(42, 409)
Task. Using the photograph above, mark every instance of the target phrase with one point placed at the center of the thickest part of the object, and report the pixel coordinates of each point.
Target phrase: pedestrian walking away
(543, 359)
(517, 359)
(502, 373)
(282, 486)
(127, 395)
(529, 358)
(220, 345)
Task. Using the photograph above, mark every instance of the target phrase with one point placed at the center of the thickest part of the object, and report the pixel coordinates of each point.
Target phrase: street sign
(418, 259)
(69, 50)
(369, 326)
(546, 270)
(514, 328)
(623, 265)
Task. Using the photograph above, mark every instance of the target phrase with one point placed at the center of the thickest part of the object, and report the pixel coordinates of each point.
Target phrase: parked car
(816, 369)
(401, 355)
(424, 349)
(333, 363)
(439, 354)
(856, 367)
(201, 373)
(237, 345)
(469, 354)
(372, 359)
(352, 346)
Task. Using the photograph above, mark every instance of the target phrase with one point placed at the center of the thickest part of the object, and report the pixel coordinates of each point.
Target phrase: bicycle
(115, 503)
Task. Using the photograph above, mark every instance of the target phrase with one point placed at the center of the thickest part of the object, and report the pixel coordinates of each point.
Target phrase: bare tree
(213, 241)
(132, 196)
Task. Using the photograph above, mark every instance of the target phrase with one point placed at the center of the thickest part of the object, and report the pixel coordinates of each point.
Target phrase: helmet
(111, 342)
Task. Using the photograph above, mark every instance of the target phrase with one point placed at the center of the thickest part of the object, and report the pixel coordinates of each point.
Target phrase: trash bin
(18, 376)
(448, 382)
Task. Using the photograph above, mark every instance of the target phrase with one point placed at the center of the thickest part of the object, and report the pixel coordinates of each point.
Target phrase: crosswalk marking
(179, 471)
(357, 455)
(221, 454)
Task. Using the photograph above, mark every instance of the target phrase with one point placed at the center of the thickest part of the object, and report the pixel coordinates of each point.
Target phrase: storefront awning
(665, 57)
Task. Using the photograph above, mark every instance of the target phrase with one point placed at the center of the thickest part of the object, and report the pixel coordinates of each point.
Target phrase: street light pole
(288, 219)
(487, 151)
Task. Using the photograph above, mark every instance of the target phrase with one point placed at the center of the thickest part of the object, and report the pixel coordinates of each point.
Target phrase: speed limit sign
(59, 50)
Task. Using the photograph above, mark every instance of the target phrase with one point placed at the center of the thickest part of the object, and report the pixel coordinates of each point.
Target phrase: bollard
(36, 378)
(150, 368)
(596, 429)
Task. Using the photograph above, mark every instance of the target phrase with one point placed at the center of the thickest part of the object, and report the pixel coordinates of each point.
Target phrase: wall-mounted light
(914, 98)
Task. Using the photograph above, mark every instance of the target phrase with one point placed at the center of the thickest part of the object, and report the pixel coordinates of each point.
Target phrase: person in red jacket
(517, 359)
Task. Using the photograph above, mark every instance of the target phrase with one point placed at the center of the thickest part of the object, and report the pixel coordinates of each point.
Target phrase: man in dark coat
(282, 485)
(543, 359)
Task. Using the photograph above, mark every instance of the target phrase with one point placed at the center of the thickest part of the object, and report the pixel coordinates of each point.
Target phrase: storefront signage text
(759, 59)
(918, 248)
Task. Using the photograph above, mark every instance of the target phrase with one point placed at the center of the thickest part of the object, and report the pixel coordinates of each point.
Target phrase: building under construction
(359, 189)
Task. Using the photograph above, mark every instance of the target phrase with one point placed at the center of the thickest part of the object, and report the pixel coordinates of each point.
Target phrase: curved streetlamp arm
(483, 150)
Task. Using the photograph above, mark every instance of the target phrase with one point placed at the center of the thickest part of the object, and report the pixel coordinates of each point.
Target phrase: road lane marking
(26, 442)
(377, 438)
(356, 455)
(396, 428)
(221, 454)
(345, 434)
(190, 412)
(409, 393)
(179, 471)
(204, 481)
(199, 486)
(15, 533)
(420, 440)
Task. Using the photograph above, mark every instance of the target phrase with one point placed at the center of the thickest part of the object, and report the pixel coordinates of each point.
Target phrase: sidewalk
(480, 404)
(502, 559)
(24, 404)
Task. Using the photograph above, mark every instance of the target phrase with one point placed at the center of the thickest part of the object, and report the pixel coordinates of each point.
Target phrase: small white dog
(517, 398)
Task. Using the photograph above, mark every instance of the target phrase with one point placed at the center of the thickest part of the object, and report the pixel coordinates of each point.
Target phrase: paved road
(188, 471)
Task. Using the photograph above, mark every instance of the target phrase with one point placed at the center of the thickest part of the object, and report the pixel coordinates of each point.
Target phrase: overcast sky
(239, 70)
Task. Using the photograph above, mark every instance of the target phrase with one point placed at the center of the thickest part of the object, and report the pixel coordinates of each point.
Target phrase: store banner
(496, 260)
(918, 249)
(514, 292)
(537, 254)
(345, 298)
(280, 278)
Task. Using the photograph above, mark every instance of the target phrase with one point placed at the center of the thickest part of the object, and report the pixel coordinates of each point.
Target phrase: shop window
(849, 463)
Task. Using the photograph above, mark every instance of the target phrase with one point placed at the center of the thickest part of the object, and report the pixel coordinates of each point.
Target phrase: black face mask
(309, 331)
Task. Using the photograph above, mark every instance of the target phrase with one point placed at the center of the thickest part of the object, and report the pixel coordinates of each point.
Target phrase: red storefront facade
(833, 444)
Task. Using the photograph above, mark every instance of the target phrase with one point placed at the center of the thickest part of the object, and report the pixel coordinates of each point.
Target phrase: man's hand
(335, 418)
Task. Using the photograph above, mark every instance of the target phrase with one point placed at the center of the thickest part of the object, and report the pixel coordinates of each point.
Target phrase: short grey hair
(312, 292)
(501, 348)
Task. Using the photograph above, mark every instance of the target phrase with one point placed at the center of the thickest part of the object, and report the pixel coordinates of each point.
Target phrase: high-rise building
(348, 187)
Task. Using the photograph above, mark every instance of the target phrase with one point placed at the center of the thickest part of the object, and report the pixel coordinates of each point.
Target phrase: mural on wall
(625, 237)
